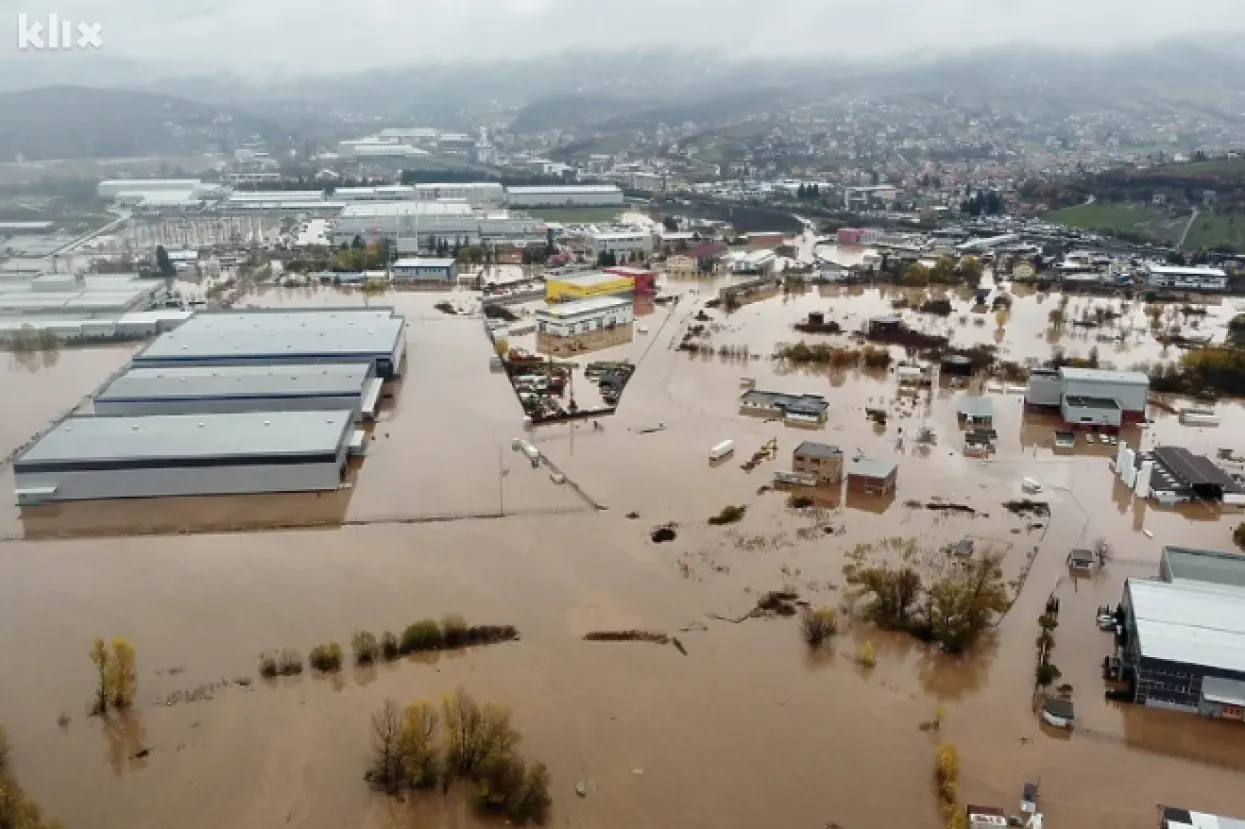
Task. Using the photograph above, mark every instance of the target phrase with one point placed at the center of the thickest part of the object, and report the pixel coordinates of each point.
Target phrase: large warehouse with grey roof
(218, 389)
(1181, 643)
(87, 458)
(283, 338)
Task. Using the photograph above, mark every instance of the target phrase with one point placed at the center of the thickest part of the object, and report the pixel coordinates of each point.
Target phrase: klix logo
(53, 32)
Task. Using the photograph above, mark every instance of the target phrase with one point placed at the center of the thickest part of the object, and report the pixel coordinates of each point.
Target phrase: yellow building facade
(585, 286)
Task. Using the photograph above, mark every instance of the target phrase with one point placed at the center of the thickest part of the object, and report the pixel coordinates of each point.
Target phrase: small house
(975, 411)
(963, 548)
(1058, 712)
(818, 460)
(985, 817)
(870, 477)
(1081, 561)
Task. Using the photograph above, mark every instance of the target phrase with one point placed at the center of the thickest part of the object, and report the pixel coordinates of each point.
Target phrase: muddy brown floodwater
(748, 729)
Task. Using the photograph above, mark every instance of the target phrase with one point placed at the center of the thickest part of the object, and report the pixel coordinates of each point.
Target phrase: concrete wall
(154, 483)
(1044, 390)
(211, 405)
(827, 470)
(1078, 416)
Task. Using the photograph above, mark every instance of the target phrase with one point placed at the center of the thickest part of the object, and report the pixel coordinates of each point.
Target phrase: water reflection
(127, 741)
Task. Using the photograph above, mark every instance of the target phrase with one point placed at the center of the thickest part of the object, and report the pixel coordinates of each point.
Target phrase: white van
(717, 453)
(1031, 485)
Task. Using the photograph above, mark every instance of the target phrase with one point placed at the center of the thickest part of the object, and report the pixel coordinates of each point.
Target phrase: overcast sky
(329, 36)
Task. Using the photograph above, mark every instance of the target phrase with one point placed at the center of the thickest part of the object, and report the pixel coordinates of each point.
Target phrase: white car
(1089, 437)
(1106, 622)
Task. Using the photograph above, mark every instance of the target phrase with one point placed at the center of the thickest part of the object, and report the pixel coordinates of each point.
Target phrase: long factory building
(353, 387)
(92, 457)
(239, 338)
(232, 402)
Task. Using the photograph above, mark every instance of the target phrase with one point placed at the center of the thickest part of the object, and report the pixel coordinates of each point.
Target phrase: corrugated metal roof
(813, 449)
(1225, 691)
(590, 305)
(172, 383)
(1180, 818)
(971, 406)
(1214, 566)
(1098, 375)
(189, 436)
(1191, 622)
(868, 468)
(288, 335)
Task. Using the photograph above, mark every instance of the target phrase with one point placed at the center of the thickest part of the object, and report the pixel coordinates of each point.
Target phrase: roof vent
(200, 424)
(267, 422)
(133, 427)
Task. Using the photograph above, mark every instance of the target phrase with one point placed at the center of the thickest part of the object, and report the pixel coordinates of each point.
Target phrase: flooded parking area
(748, 728)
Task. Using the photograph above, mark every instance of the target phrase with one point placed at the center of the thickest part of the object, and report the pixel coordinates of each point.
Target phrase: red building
(848, 236)
(645, 280)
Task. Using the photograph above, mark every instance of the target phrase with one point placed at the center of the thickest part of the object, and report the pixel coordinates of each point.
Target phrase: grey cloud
(328, 36)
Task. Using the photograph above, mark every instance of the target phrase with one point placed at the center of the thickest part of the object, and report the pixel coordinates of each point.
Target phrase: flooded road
(748, 729)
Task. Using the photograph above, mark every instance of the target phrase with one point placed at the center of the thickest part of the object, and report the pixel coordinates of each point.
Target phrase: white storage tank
(1142, 488)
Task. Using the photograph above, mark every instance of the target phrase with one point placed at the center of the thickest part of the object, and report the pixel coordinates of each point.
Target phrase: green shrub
(390, 647)
(512, 787)
(424, 635)
(454, 630)
(326, 658)
(365, 647)
(290, 662)
(799, 501)
(728, 515)
(268, 666)
(818, 624)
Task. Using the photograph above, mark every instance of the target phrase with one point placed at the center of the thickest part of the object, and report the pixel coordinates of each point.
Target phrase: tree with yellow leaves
(418, 743)
(124, 678)
(117, 680)
(102, 659)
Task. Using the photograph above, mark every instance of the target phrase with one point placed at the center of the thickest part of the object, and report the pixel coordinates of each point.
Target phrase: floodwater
(749, 729)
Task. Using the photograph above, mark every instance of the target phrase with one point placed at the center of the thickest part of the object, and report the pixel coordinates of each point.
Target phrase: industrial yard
(611, 528)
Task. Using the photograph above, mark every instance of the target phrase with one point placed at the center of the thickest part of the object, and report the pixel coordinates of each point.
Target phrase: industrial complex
(231, 402)
(1089, 398)
(1181, 643)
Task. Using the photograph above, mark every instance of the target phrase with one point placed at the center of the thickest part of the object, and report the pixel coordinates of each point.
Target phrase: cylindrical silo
(1128, 466)
(1119, 458)
(1142, 488)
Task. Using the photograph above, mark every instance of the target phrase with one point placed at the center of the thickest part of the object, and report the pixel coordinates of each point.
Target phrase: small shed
(963, 548)
(1065, 440)
(975, 411)
(1058, 712)
(985, 817)
(871, 477)
(1081, 561)
(1222, 699)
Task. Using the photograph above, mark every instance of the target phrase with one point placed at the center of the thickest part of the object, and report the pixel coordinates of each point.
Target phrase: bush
(865, 655)
(365, 647)
(290, 662)
(947, 773)
(390, 647)
(511, 787)
(454, 630)
(818, 624)
(5, 748)
(268, 666)
(424, 635)
(326, 659)
(728, 515)
(799, 501)
(1238, 535)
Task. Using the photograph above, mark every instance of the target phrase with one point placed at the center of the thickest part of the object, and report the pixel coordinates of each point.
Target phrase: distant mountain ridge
(78, 122)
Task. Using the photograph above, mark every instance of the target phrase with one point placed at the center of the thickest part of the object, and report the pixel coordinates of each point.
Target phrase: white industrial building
(584, 316)
(1187, 279)
(89, 458)
(280, 201)
(430, 222)
(112, 188)
(473, 193)
(570, 195)
(352, 387)
(268, 337)
(621, 241)
(1089, 397)
(75, 296)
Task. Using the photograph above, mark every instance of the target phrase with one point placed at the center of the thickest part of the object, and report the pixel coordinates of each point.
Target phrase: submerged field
(749, 728)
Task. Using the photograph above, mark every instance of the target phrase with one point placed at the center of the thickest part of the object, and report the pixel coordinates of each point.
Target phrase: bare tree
(387, 766)
(1103, 551)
